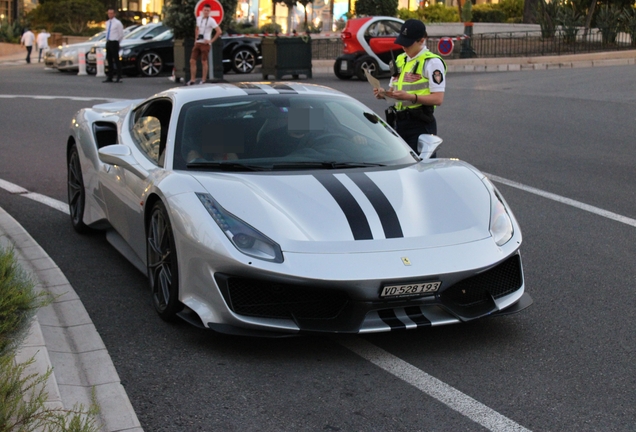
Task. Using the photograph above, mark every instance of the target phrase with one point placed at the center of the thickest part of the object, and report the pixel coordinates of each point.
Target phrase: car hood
(430, 204)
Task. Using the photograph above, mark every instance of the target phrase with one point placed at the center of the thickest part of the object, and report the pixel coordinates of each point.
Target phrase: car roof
(211, 91)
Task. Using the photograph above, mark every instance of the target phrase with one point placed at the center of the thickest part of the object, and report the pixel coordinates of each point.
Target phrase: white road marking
(56, 204)
(12, 188)
(47, 97)
(43, 199)
(449, 396)
(563, 200)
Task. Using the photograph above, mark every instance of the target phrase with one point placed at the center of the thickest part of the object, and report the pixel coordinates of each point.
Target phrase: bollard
(100, 63)
(81, 60)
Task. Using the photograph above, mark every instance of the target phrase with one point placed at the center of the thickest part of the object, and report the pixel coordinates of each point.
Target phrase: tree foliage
(376, 7)
(431, 14)
(72, 16)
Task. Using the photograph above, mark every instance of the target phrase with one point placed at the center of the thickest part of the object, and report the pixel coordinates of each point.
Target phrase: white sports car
(277, 208)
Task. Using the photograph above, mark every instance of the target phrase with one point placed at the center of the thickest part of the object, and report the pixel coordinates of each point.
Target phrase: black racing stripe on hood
(379, 201)
(284, 89)
(389, 318)
(416, 315)
(353, 212)
(250, 88)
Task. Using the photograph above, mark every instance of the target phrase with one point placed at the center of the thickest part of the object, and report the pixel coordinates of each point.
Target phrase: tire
(162, 264)
(150, 64)
(336, 71)
(365, 62)
(76, 191)
(243, 60)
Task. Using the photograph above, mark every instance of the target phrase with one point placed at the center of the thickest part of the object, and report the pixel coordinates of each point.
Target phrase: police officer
(417, 85)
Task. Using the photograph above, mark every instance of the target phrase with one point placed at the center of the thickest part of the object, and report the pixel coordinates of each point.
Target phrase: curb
(63, 337)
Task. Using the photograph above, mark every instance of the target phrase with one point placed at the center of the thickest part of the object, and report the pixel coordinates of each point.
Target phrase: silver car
(278, 208)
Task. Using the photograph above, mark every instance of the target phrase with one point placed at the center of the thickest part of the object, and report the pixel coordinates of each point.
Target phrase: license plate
(91, 57)
(343, 66)
(410, 289)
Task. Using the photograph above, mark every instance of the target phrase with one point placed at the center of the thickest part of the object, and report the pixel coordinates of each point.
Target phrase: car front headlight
(245, 238)
(500, 222)
(124, 52)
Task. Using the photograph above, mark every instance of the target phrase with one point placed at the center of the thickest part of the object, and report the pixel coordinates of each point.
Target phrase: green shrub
(439, 13)
(10, 32)
(376, 7)
(404, 14)
(512, 9)
(608, 22)
(23, 406)
(488, 13)
(23, 396)
(271, 28)
(18, 302)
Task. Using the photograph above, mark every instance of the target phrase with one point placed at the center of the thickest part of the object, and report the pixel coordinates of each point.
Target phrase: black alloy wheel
(243, 60)
(76, 191)
(150, 64)
(368, 63)
(338, 73)
(163, 267)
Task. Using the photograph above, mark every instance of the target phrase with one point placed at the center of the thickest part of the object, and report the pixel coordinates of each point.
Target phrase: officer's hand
(379, 93)
(399, 95)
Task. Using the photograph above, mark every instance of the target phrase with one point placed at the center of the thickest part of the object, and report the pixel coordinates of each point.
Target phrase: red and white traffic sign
(445, 46)
(216, 10)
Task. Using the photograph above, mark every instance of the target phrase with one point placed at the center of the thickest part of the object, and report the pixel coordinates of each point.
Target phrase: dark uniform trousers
(112, 56)
(411, 123)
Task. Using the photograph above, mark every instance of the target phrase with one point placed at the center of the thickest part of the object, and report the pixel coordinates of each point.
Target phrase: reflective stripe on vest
(407, 69)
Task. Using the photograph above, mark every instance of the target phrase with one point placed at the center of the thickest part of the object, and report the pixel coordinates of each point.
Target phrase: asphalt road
(567, 363)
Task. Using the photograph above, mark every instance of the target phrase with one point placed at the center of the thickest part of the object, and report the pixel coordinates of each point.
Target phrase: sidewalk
(499, 64)
(63, 337)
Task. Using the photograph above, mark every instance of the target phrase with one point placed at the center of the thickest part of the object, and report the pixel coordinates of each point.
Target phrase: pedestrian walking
(27, 41)
(418, 84)
(114, 34)
(43, 42)
(203, 41)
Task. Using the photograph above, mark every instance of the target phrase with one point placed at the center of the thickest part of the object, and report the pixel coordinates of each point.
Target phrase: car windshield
(99, 36)
(284, 132)
(163, 36)
(137, 33)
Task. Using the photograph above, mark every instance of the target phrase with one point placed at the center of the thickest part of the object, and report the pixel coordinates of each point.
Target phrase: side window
(155, 32)
(373, 30)
(147, 134)
(150, 129)
(391, 28)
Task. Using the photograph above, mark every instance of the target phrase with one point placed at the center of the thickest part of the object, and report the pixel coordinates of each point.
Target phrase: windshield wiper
(226, 166)
(323, 165)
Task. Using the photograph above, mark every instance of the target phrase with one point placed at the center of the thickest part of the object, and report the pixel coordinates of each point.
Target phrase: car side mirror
(427, 145)
(120, 155)
(146, 37)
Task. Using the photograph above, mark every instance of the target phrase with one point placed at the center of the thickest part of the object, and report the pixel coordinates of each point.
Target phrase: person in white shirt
(114, 34)
(27, 40)
(43, 42)
(203, 41)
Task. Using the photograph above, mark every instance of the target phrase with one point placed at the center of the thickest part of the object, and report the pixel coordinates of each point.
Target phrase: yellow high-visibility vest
(410, 70)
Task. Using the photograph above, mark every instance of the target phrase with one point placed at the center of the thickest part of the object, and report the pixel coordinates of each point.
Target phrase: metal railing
(529, 44)
(326, 48)
(512, 44)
